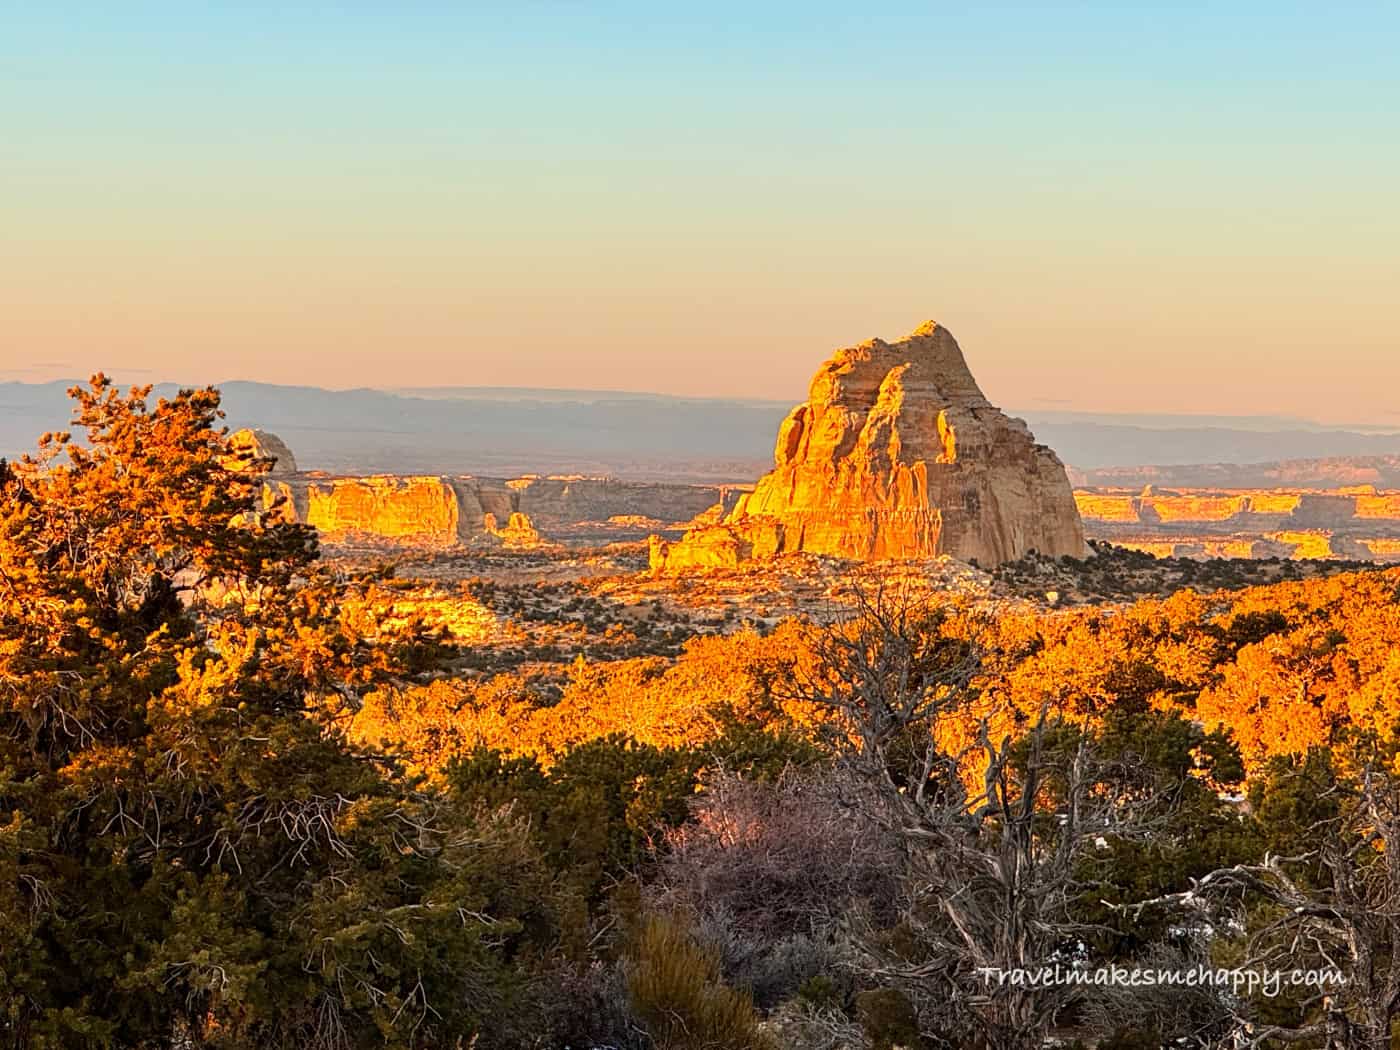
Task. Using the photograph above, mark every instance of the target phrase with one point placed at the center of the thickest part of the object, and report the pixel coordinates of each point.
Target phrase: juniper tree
(188, 847)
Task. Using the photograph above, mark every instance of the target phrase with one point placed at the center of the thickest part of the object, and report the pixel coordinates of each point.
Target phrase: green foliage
(759, 753)
(888, 1019)
(187, 844)
(1171, 775)
(680, 997)
(1292, 797)
(600, 811)
(821, 993)
(594, 814)
(1250, 628)
(192, 852)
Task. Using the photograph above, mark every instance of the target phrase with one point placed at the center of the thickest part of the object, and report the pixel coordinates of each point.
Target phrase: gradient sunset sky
(1133, 207)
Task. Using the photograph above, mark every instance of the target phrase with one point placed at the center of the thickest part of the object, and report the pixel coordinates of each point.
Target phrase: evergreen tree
(189, 849)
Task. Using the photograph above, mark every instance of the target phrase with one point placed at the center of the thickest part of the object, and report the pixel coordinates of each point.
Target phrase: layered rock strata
(895, 454)
(432, 510)
(1356, 522)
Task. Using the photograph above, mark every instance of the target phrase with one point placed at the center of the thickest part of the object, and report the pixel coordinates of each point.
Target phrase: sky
(1114, 207)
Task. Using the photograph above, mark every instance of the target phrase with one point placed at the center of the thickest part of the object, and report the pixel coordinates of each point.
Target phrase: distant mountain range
(506, 431)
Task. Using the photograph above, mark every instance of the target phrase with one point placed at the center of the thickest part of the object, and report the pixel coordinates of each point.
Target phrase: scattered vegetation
(1115, 574)
(250, 799)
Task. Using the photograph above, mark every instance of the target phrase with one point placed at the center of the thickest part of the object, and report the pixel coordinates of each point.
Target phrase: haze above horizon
(1157, 210)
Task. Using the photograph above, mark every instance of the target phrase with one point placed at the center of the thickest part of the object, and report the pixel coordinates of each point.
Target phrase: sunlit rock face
(1354, 523)
(442, 511)
(896, 454)
(519, 533)
(414, 509)
(248, 445)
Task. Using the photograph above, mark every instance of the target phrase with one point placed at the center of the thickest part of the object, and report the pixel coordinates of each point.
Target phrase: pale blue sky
(1169, 208)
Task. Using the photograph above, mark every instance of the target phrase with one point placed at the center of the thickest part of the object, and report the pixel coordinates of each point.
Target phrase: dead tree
(1336, 907)
(991, 859)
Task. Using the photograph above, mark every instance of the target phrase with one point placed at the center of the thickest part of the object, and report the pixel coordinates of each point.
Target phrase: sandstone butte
(248, 444)
(895, 454)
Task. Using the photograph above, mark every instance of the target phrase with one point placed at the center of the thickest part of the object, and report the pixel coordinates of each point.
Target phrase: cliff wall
(433, 510)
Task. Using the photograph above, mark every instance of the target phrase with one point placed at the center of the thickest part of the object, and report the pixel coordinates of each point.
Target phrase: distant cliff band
(1358, 522)
(441, 511)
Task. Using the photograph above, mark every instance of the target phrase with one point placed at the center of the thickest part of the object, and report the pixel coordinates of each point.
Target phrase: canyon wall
(1280, 509)
(434, 510)
(1357, 522)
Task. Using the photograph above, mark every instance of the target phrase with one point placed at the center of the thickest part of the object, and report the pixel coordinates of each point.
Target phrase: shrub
(888, 1018)
(679, 996)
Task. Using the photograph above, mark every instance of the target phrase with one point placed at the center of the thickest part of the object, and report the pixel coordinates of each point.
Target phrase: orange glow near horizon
(1139, 221)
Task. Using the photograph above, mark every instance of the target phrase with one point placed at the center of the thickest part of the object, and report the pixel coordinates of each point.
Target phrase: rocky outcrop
(519, 533)
(896, 454)
(419, 510)
(441, 511)
(246, 446)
